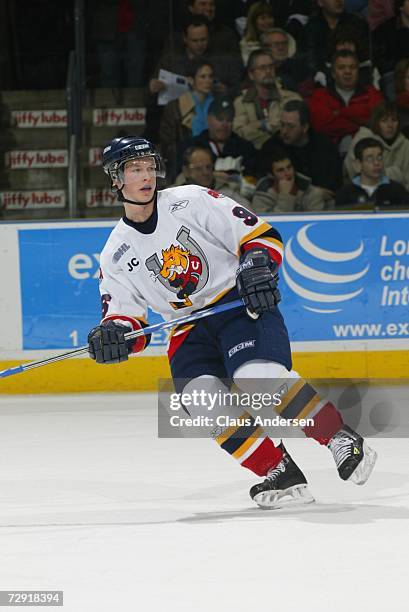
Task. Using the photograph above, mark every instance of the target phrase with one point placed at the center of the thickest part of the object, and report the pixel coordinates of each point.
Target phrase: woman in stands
(384, 126)
(259, 20)
(186, 116)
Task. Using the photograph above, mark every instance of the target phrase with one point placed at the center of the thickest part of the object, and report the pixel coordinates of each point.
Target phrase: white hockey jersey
(183, 258)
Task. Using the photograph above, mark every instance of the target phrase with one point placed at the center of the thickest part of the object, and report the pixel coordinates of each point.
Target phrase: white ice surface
(93, 503)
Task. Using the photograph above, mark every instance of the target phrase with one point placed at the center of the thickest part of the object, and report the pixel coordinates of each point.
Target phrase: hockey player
(183, 249)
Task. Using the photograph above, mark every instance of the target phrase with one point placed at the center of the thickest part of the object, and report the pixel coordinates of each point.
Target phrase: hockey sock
(248, 443)
(299, 400)
(233, 429)
(302, 401)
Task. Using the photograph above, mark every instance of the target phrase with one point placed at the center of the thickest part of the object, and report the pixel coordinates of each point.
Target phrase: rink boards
(344, 284)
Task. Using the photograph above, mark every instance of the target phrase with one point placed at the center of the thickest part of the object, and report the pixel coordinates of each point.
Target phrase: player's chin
(146, 194)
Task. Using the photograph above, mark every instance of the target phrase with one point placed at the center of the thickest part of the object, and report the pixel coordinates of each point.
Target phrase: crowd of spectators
(289, 105)
(275, 98)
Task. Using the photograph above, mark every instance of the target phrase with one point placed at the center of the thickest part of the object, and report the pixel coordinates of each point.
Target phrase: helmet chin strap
(122, 198)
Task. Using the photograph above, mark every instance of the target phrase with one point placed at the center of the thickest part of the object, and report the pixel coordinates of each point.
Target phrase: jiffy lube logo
(326, 270)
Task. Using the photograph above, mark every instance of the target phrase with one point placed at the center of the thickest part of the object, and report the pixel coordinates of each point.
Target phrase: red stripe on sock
(326, 424)
(265, 456)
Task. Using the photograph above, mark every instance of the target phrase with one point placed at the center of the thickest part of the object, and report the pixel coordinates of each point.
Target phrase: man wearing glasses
(258, 108)
(293, 73)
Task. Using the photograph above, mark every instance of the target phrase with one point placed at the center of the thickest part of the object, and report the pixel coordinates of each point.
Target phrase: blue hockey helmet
(124, 149)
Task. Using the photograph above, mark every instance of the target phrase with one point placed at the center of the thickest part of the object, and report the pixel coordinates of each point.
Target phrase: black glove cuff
(256, 280)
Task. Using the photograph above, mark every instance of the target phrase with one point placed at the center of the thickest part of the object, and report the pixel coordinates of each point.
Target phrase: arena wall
(344, 284)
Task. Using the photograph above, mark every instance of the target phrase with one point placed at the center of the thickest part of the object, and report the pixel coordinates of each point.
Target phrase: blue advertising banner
(343, 278)
(59, 285)
(59, 271)
(346, 278)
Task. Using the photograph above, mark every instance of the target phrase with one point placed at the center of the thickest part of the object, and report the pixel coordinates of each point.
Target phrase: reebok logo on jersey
(178, 205)
(241, 346)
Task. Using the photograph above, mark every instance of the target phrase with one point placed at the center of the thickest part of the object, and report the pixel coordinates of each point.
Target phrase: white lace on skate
(297, 495)
(274, 472)
(342, 447)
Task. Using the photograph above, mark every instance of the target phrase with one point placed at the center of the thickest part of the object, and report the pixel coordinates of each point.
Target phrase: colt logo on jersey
(183, 268)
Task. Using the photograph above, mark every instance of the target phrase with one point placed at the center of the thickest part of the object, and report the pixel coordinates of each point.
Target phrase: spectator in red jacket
(340, 109)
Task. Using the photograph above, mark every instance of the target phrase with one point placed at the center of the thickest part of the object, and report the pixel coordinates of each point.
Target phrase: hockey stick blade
(194, 316)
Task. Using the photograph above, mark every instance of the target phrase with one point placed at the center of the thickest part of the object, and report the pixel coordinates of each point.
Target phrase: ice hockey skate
(285, 486)
(354, 459)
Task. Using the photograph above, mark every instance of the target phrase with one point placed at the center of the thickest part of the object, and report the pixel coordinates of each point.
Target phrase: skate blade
(364, 469)
(295, 496)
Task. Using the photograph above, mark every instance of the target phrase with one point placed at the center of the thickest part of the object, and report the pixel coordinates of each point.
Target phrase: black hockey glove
(256, 280)
(107, 344)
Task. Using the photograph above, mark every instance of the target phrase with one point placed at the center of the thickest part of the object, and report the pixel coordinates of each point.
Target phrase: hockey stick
(194, 316)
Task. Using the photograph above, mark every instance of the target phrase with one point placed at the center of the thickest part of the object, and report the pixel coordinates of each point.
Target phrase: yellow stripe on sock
(291, 393)
(231, 430)
(247, 443)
